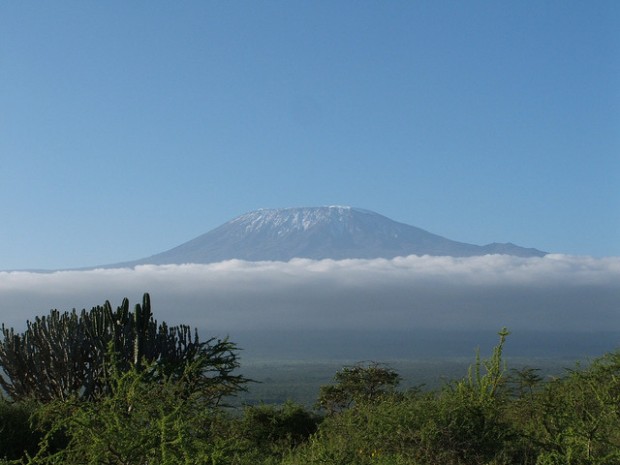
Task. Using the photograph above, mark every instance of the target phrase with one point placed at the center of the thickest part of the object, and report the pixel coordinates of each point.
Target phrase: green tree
(357, 384)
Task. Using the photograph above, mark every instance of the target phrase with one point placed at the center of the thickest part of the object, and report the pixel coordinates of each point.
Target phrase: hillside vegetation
(115, 387)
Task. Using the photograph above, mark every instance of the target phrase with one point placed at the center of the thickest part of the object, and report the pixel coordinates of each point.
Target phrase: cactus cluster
(66, 354)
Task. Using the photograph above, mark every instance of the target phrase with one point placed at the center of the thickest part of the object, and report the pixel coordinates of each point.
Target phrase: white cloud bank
(555, 292)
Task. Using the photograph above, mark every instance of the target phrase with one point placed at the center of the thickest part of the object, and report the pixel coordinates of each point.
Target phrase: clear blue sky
(127, 128)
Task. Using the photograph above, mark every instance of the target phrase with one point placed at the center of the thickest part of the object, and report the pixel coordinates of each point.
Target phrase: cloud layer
(556, 292)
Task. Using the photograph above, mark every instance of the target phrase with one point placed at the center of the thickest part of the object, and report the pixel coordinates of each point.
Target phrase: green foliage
(461, 424)
(16, 434)
(160, 412)
(580, 415)
(376, 432)
(263, 434)
(357, 384)
(64, 354)
(486, 387)
(290, 424)
(470, 417)
(144, 419)
(486, 418)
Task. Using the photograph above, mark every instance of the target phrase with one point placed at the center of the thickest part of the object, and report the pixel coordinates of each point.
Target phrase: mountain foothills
(333, 232)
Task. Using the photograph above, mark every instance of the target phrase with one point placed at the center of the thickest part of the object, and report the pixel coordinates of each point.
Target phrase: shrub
(17, 437)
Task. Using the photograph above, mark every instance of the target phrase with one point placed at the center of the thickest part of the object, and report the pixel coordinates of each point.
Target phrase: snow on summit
(292, 219)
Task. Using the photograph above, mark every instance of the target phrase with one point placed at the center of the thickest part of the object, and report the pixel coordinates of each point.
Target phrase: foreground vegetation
(113, 387)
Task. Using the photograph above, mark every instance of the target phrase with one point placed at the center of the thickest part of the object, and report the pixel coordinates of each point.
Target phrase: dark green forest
(114, 386)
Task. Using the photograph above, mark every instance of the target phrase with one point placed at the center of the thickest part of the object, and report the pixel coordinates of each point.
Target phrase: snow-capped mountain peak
(335, 232)
(288, 220)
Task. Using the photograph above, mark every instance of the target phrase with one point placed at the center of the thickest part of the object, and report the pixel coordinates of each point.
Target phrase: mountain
(317, 233)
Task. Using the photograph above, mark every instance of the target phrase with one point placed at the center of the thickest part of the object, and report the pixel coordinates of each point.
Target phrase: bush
(462, 424)
(263, 434)
(580, 415)
(16, 435)
(141, 421)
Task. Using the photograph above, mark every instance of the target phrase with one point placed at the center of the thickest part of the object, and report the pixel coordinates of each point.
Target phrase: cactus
(64, 354)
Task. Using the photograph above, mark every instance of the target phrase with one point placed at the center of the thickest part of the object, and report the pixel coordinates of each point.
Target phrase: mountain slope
(319, 233)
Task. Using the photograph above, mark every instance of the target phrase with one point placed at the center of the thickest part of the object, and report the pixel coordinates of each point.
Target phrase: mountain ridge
(328, 232)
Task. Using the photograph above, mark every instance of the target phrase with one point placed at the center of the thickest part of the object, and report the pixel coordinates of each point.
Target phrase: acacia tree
(357, 384)
(68, 354)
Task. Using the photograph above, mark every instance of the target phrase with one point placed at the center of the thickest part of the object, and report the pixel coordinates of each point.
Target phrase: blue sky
(127, 128)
